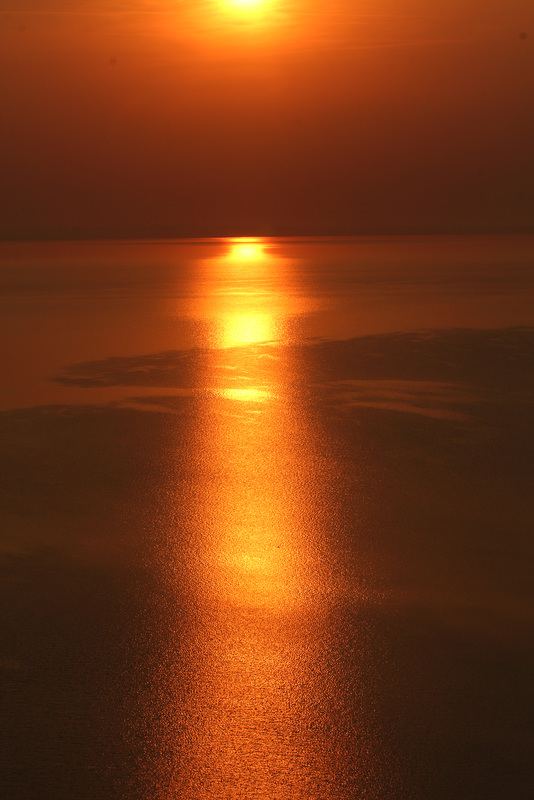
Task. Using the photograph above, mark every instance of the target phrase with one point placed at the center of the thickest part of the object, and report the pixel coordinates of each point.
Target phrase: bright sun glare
(247, 251)
(249, 6)
(245, 3)
(260, 15)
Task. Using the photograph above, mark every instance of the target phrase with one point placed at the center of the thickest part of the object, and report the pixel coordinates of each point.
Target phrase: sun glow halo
(246, 3)
(250, 8)
(266, 20)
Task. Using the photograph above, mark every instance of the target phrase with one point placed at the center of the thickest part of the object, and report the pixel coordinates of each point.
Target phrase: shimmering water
(266, 526)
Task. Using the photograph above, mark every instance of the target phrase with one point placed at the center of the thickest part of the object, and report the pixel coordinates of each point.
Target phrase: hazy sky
(288, 116)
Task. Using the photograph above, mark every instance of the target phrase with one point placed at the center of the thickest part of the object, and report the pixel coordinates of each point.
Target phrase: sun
(250, 6)
(261, 16)
(246, 3)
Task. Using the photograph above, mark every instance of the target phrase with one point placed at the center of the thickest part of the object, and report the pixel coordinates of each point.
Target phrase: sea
(266, 527)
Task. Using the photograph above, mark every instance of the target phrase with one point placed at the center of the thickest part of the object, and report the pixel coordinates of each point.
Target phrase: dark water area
(266, 519)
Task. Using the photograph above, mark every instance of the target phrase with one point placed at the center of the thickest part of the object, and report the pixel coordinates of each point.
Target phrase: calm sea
(266, 527)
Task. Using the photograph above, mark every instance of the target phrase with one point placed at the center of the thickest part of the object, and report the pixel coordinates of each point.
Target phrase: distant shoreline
(143, 233)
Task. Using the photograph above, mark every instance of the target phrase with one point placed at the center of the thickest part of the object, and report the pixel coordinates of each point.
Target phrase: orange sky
(199, 117)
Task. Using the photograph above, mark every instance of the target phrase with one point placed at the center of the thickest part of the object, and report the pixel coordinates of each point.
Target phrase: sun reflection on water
(247, 250)
(240, 302)
(256, 557)
(254, 553)
(241, 329)
(251, 395)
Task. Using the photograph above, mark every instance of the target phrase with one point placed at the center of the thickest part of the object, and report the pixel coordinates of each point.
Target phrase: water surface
(266, 518)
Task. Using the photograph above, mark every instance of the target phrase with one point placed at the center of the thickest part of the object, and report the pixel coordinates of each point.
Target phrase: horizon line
(169, 232)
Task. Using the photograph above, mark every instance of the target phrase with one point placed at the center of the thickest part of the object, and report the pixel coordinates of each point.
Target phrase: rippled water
(266, 527)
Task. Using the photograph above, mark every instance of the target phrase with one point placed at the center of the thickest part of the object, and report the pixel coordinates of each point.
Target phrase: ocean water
(266, 519)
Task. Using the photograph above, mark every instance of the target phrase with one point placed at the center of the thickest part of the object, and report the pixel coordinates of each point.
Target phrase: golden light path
(259, 569)
(247, 315)
(252, 556)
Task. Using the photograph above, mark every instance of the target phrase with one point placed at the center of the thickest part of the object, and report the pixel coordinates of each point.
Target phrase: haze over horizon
(160, 118)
